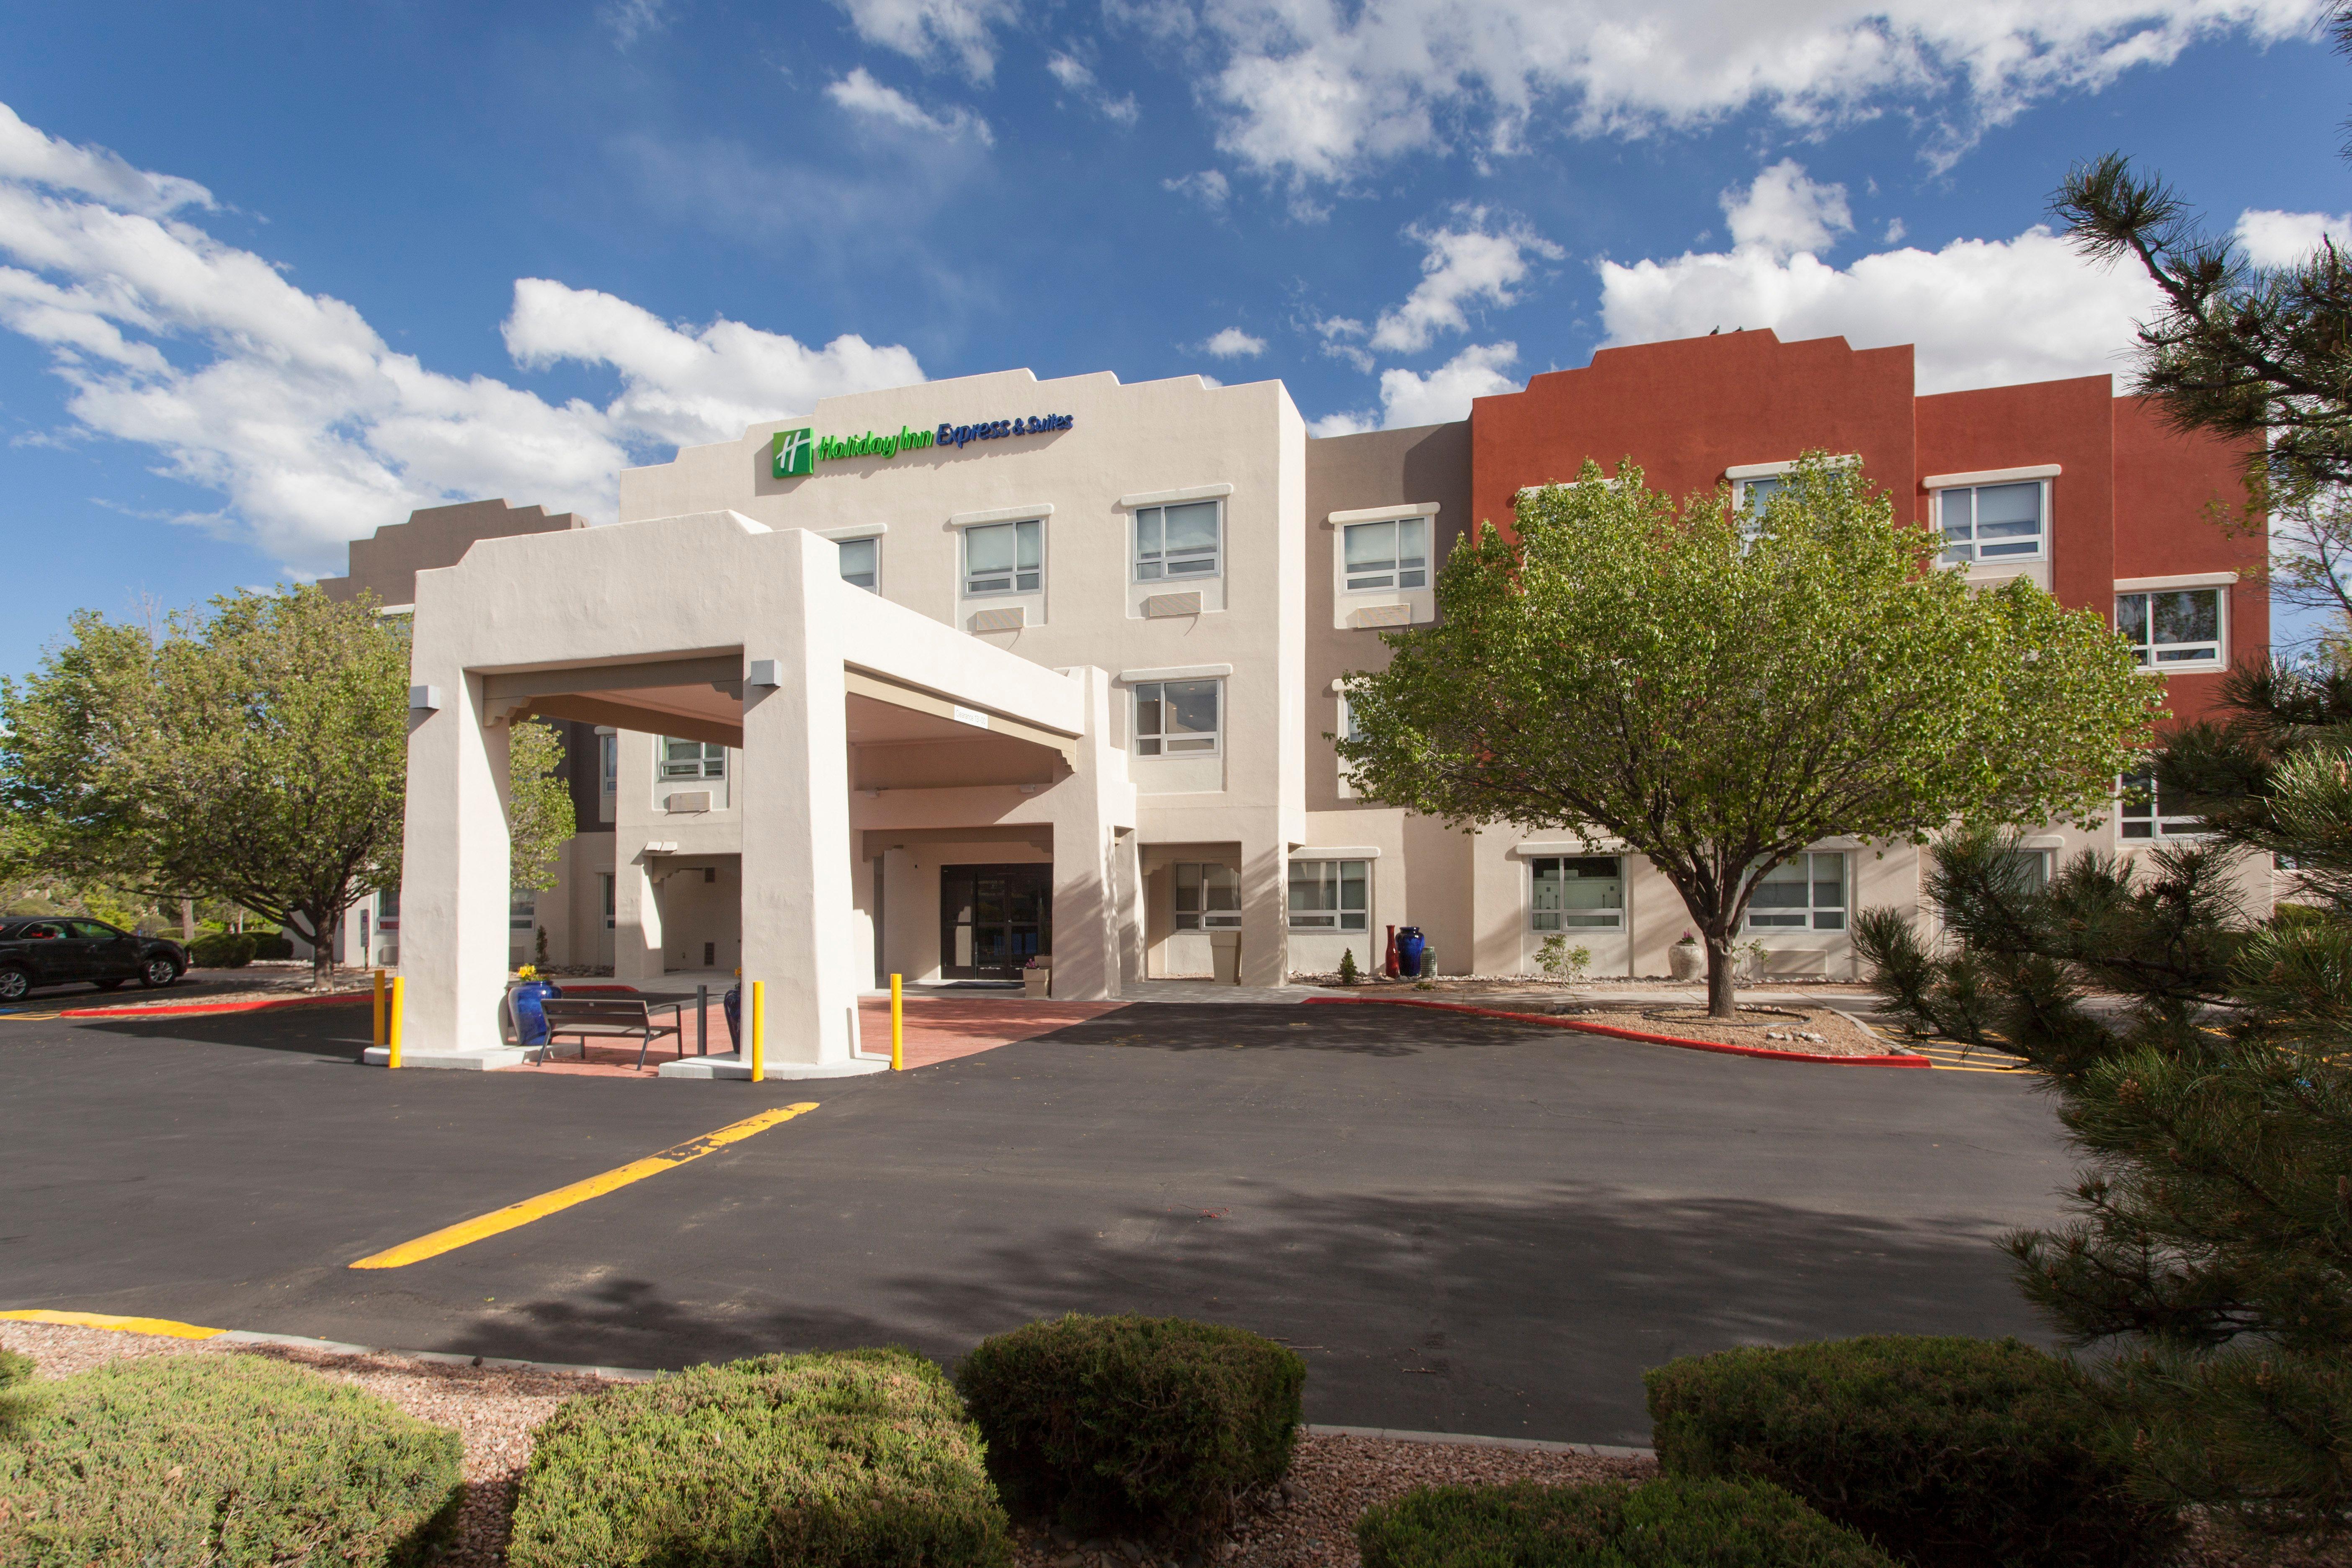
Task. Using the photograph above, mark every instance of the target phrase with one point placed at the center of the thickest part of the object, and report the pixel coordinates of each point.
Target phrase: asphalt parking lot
(1463, 1224)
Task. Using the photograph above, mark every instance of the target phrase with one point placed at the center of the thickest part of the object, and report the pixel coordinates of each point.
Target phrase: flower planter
(1686, 961)
(522, 1003)
(1037, 982)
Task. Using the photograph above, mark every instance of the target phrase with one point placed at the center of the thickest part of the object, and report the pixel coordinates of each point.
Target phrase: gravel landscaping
(1819, 1031)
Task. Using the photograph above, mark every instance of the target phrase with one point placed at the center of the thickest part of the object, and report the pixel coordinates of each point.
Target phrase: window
(609, 882)
(1578, 892)
(1176, 542)
(522, 910)
(387, 910)
(1330, 895)
(1387, 554)
(1208, 896)
(861, 563)
(2176, 630)
(1176, 718)
(692, 760)
(2144, 811)
(1802, 890)
(1991, 522)
(1003, 558)
(2029, 868)
(608, 762)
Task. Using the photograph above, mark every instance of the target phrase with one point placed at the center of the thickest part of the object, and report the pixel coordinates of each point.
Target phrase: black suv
(64, 950)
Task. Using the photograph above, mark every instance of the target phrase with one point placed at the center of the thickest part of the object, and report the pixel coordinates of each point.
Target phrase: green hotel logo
(798, 452)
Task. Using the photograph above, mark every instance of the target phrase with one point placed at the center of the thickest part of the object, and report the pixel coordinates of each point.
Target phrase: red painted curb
(183, 1009)
(1885, 1061)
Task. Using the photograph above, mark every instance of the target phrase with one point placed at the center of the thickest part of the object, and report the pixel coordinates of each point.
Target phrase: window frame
(1334, 919)
(2146, 648)
(1014, 586)
(1976, 557)
(522, 910)
(2161, 828)
(872, 541)
(1568, 921)
(1810, 917)
(1153, 743)
(1204, 919)
(703, 761)
(1155, 570)
(1392, 577)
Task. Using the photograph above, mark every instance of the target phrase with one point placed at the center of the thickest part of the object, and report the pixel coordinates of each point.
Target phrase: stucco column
(1265, 915)
(1086, 810)
(454, 879)
(799, 936)
(636, 918)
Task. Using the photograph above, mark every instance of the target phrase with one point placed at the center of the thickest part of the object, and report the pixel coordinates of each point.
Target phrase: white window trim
(2184, 580)
(1738, 472)
(1624, 887)
(2157, 835)
(963, 554)
(861, 537)
(856, 531)
(1846, 910)
(1173, 672)
(1168, 582)
(963, 519)
(1335, 852)
(1392, 587)
(1427, 508)
(2220, 659)
(1989, 476)
(1317, 856)
(1171, 498)
(1136, 737)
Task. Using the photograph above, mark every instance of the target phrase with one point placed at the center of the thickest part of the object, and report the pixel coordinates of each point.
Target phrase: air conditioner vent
(1162, 605)
(1010, 620)
(1382, 615)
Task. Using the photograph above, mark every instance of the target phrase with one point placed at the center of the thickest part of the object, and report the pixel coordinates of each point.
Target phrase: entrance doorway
(994, 919)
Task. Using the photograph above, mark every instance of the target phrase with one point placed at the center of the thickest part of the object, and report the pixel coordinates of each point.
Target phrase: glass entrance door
(994, 919)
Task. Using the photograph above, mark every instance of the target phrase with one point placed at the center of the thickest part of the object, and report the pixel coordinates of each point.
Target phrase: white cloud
(1208, 187)
(1983, 312)
(1474, 263)
(1233, 343)
(934, 31)
(293, 408)
(1325, 89)
(1782, 213)
(629, 20)
(1077, 78)
(1896, 231)
(2273, 238)
(1445, 392)
(860, 94)
(1341, 425)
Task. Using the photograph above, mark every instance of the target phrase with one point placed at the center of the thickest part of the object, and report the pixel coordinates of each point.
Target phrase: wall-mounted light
(766, 672)
(423, 700)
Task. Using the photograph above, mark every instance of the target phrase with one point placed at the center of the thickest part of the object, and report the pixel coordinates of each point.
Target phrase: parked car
(67, 949)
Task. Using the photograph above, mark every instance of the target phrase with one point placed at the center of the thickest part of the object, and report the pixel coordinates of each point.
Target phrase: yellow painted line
(107, 1321)
(467, 1232)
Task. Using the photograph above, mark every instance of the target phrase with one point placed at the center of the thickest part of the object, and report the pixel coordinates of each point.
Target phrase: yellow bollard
(376, 1037)
(392, 1026)
(897, 1027)
(759, 1030)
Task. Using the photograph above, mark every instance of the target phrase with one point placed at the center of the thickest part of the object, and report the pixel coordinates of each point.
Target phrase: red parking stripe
(1886, 1061)
(181, 1009)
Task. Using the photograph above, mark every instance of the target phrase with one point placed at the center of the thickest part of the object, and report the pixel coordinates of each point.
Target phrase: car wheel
(108, 984)
(158, 972)
(14, 983)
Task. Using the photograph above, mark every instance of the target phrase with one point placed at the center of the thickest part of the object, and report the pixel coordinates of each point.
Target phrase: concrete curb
(1611, 1029)
(646, 1374)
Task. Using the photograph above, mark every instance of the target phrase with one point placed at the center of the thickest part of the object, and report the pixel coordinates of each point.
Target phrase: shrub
(1348, 972)
(1140, 1425)
(221, 1460)
(222, 949)
(1946, 1451)
(272, 944)
(834, 1460)
(1669, 1523)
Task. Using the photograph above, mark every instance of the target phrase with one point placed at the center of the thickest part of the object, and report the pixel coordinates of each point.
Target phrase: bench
(609, 1019)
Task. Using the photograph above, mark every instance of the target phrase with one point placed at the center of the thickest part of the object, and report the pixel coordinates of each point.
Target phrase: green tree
(253, 753)
(1717, 689)
(540, 818)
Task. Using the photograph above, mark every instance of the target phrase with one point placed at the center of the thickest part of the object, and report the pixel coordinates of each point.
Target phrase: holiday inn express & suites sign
(798, 452)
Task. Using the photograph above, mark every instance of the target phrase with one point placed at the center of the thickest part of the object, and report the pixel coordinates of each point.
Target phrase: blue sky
(271, 276)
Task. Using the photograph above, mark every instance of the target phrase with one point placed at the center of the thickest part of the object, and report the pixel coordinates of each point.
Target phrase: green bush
(1673, 1523)
(1945, 1451)
(273, 944)
(841, 1460)
(1138, 1425)
(222, 949)
(222, 1461)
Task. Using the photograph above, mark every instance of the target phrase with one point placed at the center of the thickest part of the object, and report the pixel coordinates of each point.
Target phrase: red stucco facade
(2131, 499)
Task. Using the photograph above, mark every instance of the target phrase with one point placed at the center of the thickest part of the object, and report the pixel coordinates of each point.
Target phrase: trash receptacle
(1225, 956)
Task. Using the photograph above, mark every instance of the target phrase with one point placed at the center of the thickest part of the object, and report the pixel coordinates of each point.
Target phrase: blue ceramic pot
(732, 1005)
(1409, 945)
(530, 1023)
